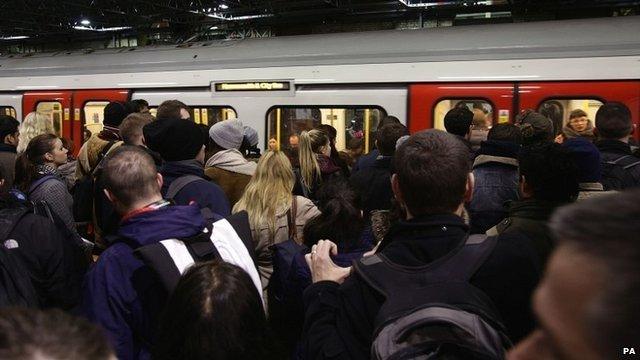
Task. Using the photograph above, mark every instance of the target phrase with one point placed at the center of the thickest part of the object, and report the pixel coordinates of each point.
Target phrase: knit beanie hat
(228, 134)
(114, 113)
(8, 126)
(250, 136)
(587, 157)
(535, 127)
(174, 139)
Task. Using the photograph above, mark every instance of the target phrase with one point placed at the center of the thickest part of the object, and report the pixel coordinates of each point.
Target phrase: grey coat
(54, 192)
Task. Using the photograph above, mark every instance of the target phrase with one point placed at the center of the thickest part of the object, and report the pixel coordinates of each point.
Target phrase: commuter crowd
(167, 239)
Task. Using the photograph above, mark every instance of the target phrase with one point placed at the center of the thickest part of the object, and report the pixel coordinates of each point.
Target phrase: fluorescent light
(19, 37)
(115, 28)
(224, 6)
(85, 22)
(82, 28)
(422, 3)
(27, 87)
(221, 16)
(213, 28)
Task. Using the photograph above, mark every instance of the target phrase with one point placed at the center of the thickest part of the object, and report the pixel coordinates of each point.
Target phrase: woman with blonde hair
(34, 124)
(271, 206)
(314, 163)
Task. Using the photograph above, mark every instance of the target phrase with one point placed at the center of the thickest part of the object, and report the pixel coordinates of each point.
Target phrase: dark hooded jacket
(373, 184)
(612, 150)
(123, 295)
(8, 163)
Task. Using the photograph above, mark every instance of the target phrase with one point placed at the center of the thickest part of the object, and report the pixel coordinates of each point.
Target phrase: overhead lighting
(213, 28)
(85, 22)
(19, 37)
(225, 17)
(425, 3)
(115, 28)
(224, 6)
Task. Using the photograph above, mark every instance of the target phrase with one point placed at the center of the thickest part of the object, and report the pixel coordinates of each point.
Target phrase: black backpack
(616, 175)
(432, 311)
(16, 288)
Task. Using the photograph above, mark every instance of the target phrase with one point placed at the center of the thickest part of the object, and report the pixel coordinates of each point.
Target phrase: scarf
(569, 132)
(232, 160)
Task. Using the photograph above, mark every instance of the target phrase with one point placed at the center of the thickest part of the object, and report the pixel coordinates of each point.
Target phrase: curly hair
(34, 124)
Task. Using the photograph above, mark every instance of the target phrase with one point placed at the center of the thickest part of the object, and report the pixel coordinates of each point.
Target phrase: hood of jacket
(232, 160)
(165, 223)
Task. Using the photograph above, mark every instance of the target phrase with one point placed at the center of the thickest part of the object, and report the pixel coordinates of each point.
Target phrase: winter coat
(530, 218)
(495, 170)
(366, 161)
(205, 193)
(89, 154)
(123, 295)
(612, 150)
(8, 164)
(568, 132)
(373, 184)
(339, 319)
(305, 211)
(231, 171)
(54, 191)
(54, 263)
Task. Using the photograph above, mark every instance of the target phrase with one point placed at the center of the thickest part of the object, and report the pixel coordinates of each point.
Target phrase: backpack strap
(36, 184)
(102, 155)
(178, 184)
(625, 161)
(291, 220)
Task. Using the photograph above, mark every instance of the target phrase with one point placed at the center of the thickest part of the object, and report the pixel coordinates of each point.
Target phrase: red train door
(88, 106)
(55, 104)
(557, 99)
(428, 103)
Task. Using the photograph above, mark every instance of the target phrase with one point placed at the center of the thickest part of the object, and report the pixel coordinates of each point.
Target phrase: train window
(207, 115)
(8, 110)
(559, 110)
(53, 109)
(285, 123)
(94, 115)
(482, 111)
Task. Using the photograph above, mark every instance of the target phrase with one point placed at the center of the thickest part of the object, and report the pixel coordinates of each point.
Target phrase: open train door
(55, 104)
(428, 103)
(556, 100)
(88, 110)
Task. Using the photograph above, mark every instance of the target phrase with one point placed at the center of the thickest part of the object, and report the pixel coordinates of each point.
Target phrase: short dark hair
(432, 167)
(340, 218)
(130, 174)
(8, 126)
(136, 106)
(606, 229)
(551, 172)
(576, 113)
(220, 315)
(613, 121)
(458, 121)
(170, 109)
(52, 334)
(389, 119)
(387, 136)
(505, 132)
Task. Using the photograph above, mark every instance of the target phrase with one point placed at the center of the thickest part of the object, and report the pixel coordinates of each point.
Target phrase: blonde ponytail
(310, 144)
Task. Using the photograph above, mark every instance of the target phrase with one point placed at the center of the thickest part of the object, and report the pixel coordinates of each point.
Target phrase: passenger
(34, 124)
(314, 166)
(249, 148)
(458, 121)
(293, 149)
(479, 129)
(548, 179)
(335, 156)
(9, 139)
(587, 158)
(586, 304)
(132, 134)
(273, 144)
(369, 159)
(495, 170)
(578, 126)
(353, 152)
(621, 170)
(37, 176)
(226, 166)
(43, 252)
(535, 127)
(373, 184)
(269, 201)
(27, 334)
(218, 314)
(181, 146)
(120, 293)
(94, 149)
(432, 180)
(173, 109)
(68, 170)
(138, 106)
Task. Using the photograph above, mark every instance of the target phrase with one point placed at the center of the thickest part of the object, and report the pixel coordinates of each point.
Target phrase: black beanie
(174, 139)
(8, 126)
(114, 113)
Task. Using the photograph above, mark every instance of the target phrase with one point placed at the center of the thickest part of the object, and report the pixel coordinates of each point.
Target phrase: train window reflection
(8, 110)
(482, 111)
(53, 110)
(207, 115)
(285, 123)
(559, 110)
(94, 115)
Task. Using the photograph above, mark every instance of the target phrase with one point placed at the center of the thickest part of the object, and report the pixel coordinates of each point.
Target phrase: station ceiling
(178, 21)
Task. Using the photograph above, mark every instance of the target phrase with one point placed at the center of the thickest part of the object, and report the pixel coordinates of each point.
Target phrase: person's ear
(468, 191)
(159, 180)
(526, 190)
(48, 157)
(395, 187)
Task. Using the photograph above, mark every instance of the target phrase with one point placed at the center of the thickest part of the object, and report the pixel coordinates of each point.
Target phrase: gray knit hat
(228, 134)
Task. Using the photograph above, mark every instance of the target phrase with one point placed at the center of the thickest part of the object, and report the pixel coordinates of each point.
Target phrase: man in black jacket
(431, 181)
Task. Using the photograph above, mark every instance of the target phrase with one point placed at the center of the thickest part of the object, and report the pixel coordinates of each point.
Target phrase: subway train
(283, 85)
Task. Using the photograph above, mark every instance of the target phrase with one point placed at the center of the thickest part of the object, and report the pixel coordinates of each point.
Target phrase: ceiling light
(85, 22)
(224, 6)
(19, 37)
(213, 28)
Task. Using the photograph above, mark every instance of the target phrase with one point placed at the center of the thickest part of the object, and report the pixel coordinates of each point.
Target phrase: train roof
(604, 37)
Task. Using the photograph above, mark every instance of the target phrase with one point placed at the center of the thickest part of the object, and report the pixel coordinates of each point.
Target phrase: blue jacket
(205, 193)
(124, 296)
(366, 161)
(496, 181)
